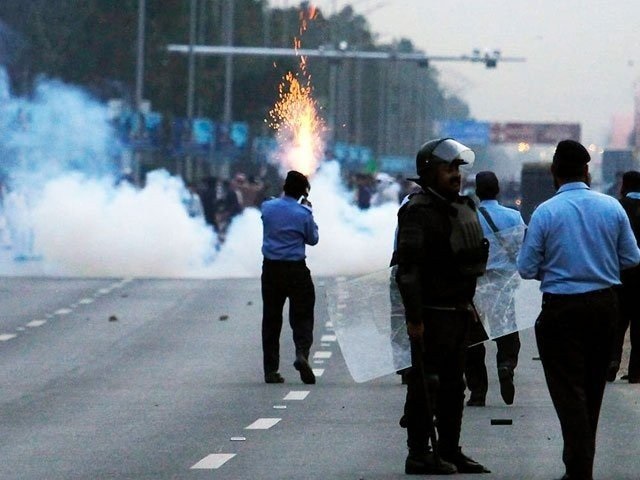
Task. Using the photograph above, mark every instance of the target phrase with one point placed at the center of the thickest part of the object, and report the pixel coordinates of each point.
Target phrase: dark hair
(568, 171)
(569, 159)
(631, 182)
(487, 186)
(296, 184)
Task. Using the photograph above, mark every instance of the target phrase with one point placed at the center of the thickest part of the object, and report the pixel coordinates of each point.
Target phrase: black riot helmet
(442, 150)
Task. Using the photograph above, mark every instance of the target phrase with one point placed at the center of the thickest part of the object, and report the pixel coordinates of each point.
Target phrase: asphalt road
(162, 379)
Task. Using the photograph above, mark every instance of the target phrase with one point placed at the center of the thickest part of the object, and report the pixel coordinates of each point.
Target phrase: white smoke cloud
(352, 241)
(87, 227)
(59, 149)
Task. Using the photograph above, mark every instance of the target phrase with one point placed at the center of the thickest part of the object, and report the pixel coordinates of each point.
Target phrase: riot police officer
(441, 252)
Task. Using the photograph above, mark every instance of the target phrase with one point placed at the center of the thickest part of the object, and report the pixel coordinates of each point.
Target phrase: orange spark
(298, 126)
(295, 115)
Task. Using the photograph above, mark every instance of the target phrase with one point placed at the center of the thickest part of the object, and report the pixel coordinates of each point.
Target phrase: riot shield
(368, 319)
(506, 303)
(368, 315)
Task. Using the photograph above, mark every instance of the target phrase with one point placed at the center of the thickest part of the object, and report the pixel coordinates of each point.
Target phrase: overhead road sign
(468, 132)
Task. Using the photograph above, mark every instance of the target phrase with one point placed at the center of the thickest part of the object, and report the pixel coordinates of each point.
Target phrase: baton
(418, 350)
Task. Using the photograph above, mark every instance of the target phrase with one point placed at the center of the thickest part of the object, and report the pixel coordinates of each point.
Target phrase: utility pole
(228, 78)
(192, 59)
(139, 94)
(140, 56)
(191, 82)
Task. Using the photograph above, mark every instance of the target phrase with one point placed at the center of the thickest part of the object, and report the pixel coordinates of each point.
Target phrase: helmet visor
(449, 150)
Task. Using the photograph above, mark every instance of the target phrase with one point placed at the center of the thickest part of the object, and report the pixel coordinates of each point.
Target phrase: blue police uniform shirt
(287, 227)
(504, 218)
(577, 242)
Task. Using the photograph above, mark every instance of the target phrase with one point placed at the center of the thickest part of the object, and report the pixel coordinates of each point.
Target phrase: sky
(582, 56)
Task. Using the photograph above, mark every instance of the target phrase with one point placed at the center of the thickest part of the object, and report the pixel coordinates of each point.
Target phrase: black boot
(463, 463)
(427, 463)
(306, 374)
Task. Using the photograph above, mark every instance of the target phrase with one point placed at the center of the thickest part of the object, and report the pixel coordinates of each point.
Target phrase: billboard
(473, 133)
(537, 133)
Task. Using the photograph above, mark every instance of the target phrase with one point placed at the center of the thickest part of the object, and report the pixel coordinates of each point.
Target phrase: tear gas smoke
(60, 148)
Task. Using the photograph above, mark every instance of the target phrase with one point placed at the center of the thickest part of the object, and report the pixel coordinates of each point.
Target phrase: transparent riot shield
(368, 315)
(368, 319)
(504, 301)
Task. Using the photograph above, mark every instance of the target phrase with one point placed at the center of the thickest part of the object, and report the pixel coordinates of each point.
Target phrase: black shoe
(273, 377)
(476, 402)
(306, 374)
(463, 463)
(403, 421)
(612, 371)
(507, 389)
(427, 464)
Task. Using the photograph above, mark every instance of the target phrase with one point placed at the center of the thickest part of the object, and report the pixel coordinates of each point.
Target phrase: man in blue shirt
(577, 243)
(288, 226)
(494, 218)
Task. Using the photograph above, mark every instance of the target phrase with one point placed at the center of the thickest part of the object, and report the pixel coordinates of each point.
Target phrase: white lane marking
(104, 291)
(325, 345)
(296, 395)
(328, 338)
(7, 336)
(319, 362)
(63, 311)
(263, 424)
(214, 460)
(329, 324)
(318, 371)
(280, 407)
(36, 323)
(86, 301)
(322, 354)
(238, 439)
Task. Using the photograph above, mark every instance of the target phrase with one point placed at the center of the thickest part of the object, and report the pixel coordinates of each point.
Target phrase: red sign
(545, 133)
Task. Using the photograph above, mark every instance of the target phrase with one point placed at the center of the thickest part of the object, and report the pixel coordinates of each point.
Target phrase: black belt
(576, 296)
(284, 262)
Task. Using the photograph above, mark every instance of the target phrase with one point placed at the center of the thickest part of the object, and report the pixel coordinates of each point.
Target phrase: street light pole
(140, 56)
(192, 62)
(139, 94)
(228, 82)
